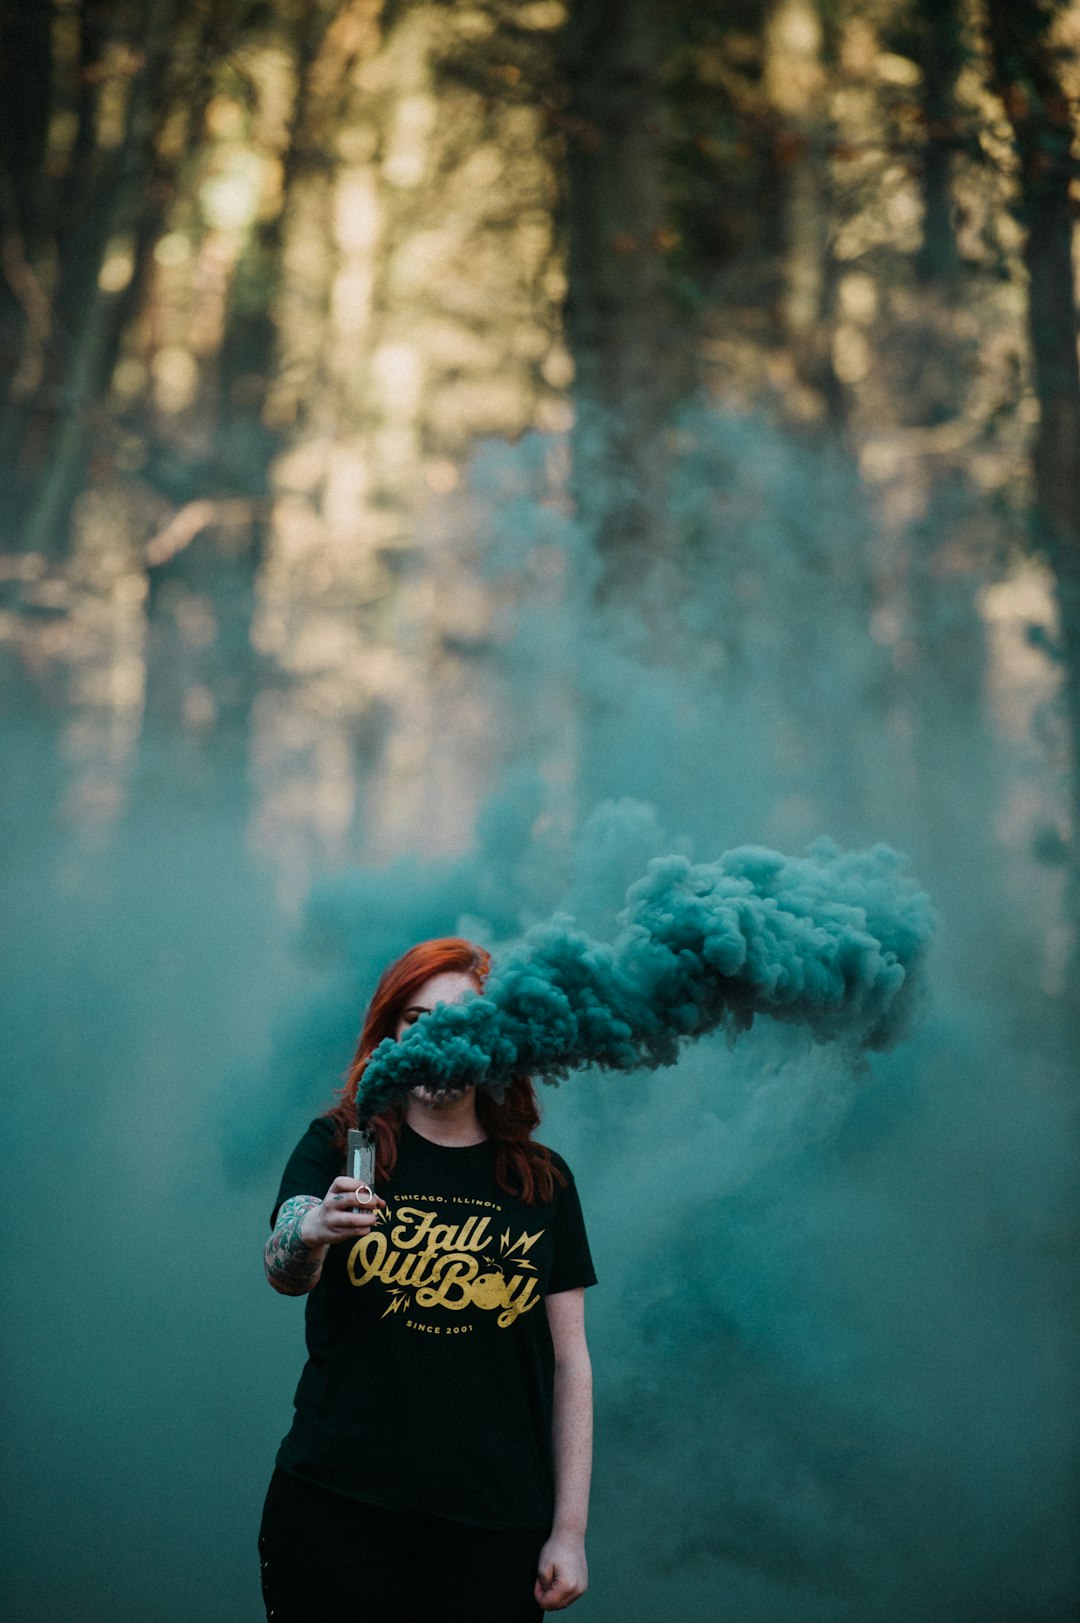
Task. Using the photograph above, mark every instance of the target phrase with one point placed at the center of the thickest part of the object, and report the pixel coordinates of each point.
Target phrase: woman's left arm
(563, 1574)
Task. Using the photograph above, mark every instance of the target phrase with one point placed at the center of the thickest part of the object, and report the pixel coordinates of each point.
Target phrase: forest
(449, 454)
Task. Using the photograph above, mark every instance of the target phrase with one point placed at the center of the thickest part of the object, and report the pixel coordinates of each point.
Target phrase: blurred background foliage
(421, 423)
(271, 272)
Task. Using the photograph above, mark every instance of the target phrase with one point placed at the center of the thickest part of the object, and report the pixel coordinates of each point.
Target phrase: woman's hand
(305, 1227)
(349, 1209)
(562, 1573)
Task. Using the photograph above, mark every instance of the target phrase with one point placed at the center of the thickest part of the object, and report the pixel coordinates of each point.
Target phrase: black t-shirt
(430, 1371)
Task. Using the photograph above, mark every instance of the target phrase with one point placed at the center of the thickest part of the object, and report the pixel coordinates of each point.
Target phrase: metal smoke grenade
(360, 1156)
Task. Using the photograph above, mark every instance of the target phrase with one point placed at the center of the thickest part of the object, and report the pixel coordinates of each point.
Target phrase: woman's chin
(432, 1098)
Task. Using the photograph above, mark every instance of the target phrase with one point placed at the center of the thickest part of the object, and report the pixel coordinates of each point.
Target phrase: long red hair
(523, 1167)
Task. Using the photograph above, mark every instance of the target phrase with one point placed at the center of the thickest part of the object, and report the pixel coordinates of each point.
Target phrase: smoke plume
(832, 941)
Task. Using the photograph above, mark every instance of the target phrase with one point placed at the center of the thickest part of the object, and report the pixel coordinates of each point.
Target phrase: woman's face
(452, 986)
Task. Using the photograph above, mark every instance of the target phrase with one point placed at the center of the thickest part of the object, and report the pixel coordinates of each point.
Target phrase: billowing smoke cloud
(832, 941)
(835, 1337)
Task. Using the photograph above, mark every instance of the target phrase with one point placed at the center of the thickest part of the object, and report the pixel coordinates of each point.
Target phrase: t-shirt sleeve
(573, 1265)
(312, 1166)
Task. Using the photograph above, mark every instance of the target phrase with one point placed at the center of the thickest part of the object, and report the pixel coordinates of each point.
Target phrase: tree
(1028, 80)
(1029, 83)
(616, 308)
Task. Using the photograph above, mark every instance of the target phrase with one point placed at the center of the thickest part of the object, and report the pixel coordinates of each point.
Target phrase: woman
(437, 1469)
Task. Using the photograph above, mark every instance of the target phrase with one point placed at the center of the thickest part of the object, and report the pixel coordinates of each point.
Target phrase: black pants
(326, 1557)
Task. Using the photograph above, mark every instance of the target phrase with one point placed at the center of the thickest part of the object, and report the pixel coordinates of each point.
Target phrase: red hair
(522, 1167)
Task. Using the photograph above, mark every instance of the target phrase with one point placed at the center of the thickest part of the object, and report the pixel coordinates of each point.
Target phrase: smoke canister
(360, 1156)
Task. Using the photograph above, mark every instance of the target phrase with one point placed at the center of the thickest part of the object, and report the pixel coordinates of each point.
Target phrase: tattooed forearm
(292, 1266)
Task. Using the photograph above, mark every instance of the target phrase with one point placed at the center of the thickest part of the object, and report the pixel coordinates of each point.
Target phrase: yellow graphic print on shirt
(431, 1264)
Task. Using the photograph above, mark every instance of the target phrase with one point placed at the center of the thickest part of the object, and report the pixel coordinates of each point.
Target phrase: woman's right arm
(306, 1226)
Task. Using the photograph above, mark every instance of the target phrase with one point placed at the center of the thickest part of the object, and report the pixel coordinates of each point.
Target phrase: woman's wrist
(293, 1263)
(308, 1231)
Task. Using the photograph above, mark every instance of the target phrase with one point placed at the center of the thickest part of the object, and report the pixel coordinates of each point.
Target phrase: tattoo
(290, 1267)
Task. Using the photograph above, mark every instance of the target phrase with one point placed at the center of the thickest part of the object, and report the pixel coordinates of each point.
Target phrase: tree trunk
(940, 55)
(797, 83)
(95, 340)
(84, 190)
(25, 101)
(1027, 80)
(1038, 111)
(616, 312)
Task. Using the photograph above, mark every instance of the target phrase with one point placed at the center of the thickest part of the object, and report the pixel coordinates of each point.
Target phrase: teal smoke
(834, 941)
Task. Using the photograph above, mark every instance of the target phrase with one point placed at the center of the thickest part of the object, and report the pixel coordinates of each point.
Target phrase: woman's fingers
(349, 1207)
(347, 1226)
(558, 1584)
(350, 1192)
(550, 1587)
(556, 1599)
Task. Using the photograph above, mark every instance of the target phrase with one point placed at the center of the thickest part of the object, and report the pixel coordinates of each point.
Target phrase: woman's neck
(450, 1121)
